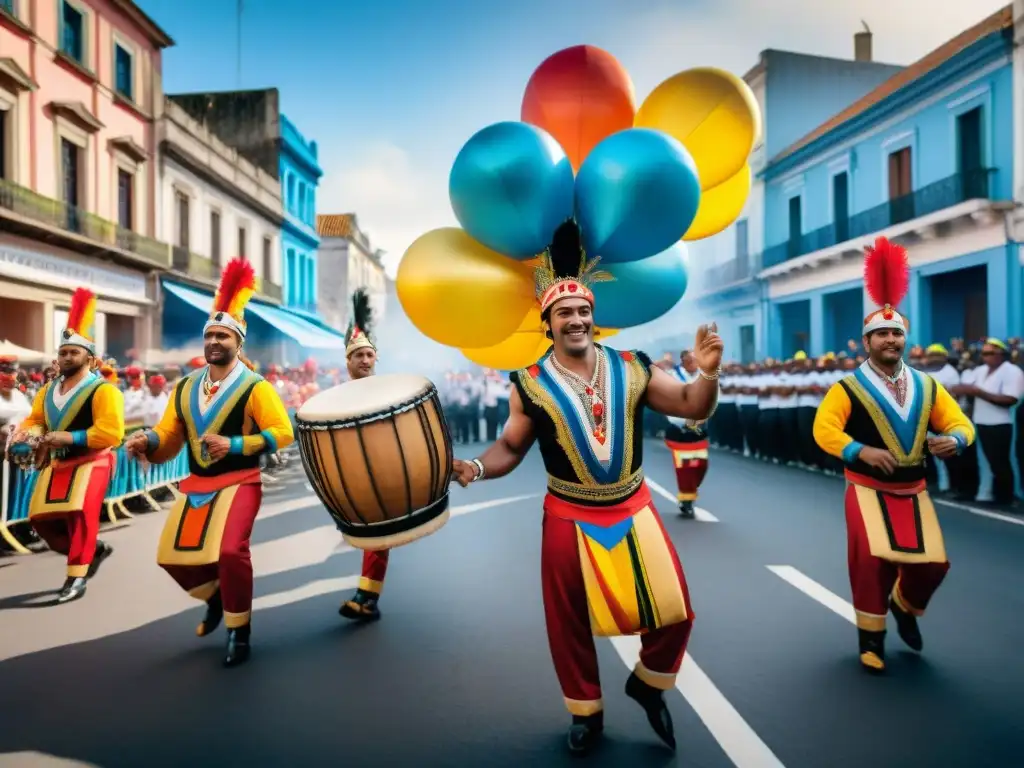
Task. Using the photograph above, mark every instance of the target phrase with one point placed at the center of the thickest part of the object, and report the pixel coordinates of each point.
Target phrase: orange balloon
(580, 95)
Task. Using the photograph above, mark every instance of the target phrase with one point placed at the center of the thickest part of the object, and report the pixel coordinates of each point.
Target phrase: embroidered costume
(608, 568)
(68, 497)
(688, 443)
(897, 556)
(205, 541)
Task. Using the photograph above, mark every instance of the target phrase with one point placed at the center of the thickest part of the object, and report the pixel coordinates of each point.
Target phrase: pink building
(80, 94)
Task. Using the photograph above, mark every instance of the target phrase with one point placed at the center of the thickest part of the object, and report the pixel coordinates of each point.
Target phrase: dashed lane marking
(699, 514)
(815, 591)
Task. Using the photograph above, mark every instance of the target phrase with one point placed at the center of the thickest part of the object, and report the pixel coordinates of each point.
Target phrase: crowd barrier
(131, 479)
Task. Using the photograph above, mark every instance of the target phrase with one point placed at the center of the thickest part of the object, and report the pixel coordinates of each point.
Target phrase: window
(267, 259)
(70, 156)
(72, 33)
(241, 243)
(301, 212)
(123, 71)
(125, 198)
(796, 225)
(183, 220)
(900, 177)
(742, 241)
(4, 135)
(215, 237)
(841, 206)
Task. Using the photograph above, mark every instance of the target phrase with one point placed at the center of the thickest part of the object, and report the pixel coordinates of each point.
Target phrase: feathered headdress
(80, 330)
(360, 326)
(887, 280)
(237, 285)
(564, 271)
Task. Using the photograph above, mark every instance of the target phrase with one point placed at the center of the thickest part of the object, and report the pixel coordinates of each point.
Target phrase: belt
(599, 494)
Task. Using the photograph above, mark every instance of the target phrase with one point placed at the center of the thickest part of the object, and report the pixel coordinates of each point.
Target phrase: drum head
(363, 397)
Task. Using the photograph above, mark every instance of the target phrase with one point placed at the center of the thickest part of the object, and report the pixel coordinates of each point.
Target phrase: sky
(392, 89)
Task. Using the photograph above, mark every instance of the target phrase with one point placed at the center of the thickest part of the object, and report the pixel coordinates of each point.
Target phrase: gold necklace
(589, 393)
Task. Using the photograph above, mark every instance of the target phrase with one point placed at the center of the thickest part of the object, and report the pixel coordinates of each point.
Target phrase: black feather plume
(566, 249)
(362, 315)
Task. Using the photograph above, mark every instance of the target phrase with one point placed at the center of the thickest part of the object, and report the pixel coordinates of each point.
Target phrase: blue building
(796, 92)
(926, 159)
(300, 174)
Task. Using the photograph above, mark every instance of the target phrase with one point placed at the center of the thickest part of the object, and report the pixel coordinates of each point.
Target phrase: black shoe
(362, 606)
(906, 626)
(103, 551)
(214, 614)
(686, 508)
(585, 733)
(653, 702)
(872, 650)
(238, 646)
(72, 590)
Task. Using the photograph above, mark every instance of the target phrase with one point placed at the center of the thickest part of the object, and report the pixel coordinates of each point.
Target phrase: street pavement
(458, 673)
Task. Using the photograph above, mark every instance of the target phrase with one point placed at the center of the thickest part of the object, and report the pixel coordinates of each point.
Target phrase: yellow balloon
(720, 206)
(713, 113)
(459, 293)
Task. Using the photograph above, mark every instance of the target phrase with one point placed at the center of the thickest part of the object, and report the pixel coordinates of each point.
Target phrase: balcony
(42, 218)
(944, 194)
(203, 269)
(269, 290)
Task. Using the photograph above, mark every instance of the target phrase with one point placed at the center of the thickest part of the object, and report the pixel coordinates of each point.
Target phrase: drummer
(361, 360)
(229, 416)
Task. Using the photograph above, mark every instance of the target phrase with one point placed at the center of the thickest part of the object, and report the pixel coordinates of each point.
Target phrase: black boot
(872, 649)
(73, 589)
(238, 646)
(686, 508)
(585, 732)
(103, 551)
(906, 626)
(214, 614)
(362, 606)
(653, 702)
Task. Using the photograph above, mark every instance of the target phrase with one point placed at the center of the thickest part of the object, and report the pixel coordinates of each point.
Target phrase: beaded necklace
(590, 393)
(209, 388)
(896, 384)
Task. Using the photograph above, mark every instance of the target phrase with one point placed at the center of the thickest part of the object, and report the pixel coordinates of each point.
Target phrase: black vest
(82, 420)
(232, 426)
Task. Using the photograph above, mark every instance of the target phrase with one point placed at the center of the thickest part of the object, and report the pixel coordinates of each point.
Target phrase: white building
(347, 262)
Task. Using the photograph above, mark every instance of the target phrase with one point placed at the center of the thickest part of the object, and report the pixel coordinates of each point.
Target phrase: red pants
(690, 470)
(74, 534)
(570, 637)
(375, 567)
(232, 573)
(873, 580)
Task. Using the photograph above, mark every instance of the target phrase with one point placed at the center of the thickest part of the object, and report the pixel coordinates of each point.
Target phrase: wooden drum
(378, 453)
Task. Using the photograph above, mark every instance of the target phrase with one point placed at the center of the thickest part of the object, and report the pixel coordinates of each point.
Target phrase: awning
(304, 333)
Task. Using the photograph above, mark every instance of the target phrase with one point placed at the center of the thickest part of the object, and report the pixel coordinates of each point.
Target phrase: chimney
(862, 44)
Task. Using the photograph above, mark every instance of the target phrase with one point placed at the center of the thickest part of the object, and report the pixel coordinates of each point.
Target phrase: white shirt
(789, 379)
(493, 390)
(764, 381)
(745, 381)
(133, 404)
(1008, 380)
(947, 376)
(14, 409)
(811, 379)
(726, 397)
(153, 408)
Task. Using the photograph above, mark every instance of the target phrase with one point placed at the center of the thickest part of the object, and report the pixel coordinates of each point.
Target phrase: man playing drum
(360, 359)
(607, 566)
(229, 416)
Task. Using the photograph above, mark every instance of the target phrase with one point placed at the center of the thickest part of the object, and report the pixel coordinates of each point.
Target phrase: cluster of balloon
(640, 183)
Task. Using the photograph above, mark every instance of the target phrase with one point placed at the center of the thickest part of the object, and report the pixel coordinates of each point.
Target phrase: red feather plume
(886, 272)
(79, 301)
(238, 274)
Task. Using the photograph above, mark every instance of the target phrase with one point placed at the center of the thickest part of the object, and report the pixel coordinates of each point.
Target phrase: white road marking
(281, 507)
(305, 592)
(980, 512)
(814, 590)
(308, 487)
(39, 760)
(733, 734)
(702, 515)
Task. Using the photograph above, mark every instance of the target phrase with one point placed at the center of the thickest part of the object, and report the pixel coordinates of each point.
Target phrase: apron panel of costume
(194, 529)
(61, 488)
(900, 529)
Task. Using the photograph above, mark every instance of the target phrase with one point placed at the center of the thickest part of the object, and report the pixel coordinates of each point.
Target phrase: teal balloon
(636, 194)
(642, 291)
(510, 187)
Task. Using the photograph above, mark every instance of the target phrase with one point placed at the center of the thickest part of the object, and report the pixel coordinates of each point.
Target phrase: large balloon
(713, 113)
(580, 95)
(642, 290)
(510, 187)
(720, 206)
(636, 195)
(459, 293)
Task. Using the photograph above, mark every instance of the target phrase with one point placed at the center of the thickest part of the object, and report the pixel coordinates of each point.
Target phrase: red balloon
(580, 95)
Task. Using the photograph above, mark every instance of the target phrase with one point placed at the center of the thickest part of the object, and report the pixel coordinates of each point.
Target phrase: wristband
(710, 376)
(479, 469)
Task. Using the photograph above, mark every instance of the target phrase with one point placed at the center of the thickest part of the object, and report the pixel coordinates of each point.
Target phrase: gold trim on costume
(681, 456)
(876, 524)
(205, 591)
(74, 501)
(78, 571)
(663, 681)
(370, 585)
(539, 397)
(584, 708)
(224, 408)
(872, 622)
(901, 601)
(236, 620)
(686, 496)
(597, 493)
(208, 553)
(884, 427)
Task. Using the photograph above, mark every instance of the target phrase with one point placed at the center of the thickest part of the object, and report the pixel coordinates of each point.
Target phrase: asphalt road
(458, 672)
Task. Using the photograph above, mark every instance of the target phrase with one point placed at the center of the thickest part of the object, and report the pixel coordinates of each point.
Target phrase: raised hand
(707, 348)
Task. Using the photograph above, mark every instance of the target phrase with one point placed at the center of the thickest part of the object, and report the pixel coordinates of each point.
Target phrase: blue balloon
(642, 290)
(636, 194)
(510, 187)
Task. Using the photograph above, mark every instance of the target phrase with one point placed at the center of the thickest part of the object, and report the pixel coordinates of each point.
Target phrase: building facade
(925, 159)
(300, 176)
(80, 92)
(795, 93)
(346, 255)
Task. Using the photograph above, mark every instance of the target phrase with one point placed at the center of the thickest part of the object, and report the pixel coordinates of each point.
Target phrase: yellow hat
(994, 342)
(801, 355)
(80, 331)
(936, 349)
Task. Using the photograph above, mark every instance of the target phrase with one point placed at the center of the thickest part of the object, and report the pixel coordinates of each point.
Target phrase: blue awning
(302, 332)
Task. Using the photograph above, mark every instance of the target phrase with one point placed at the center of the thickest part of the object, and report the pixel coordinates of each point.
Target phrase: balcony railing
(730, 272)
(68, 218)
(953, 190)
(192, 264)
(269, 289)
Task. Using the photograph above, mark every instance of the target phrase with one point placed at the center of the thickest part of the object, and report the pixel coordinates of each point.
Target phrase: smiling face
(885, 346)
(572, 326)
(220, 345)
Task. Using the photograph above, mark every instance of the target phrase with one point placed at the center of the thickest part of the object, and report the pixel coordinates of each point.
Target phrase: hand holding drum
(378, 454)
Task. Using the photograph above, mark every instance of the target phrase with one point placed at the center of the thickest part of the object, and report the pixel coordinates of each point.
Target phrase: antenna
(866, 27)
